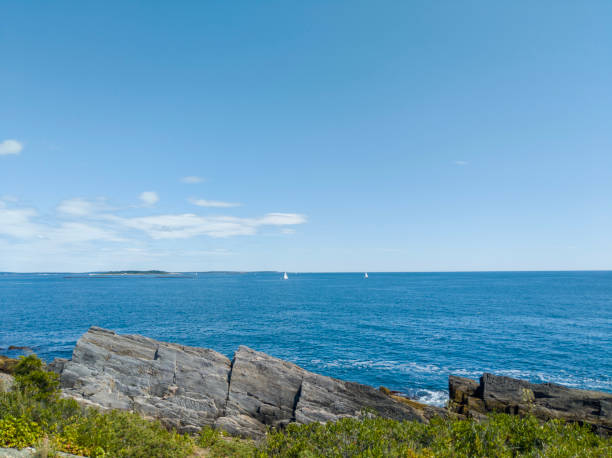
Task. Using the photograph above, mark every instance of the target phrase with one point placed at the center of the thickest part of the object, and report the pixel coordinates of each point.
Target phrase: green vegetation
(218, 444)
(32, 414)
(501, 436)
(31, 378)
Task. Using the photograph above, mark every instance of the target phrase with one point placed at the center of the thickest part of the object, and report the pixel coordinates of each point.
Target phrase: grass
(32, 414)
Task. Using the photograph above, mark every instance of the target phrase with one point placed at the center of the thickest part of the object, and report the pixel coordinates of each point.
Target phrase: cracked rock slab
(184, 387)
(188, 388)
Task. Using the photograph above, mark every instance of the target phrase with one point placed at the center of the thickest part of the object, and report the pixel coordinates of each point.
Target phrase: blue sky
(320, 136)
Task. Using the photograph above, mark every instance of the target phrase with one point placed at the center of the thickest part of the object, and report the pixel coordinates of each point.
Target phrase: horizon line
(313, 271)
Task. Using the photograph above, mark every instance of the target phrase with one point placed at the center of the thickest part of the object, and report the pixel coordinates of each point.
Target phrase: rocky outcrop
(187, 387)
(545, 401)
(7, 364)
(184, 387)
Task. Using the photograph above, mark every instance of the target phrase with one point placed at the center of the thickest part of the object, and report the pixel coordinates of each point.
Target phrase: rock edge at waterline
(188, 387)
(546, 401)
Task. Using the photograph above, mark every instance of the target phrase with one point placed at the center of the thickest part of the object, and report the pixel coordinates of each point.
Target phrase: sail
(285, 277)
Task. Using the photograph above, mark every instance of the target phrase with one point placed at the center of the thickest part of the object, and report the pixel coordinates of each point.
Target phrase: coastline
(236, 391)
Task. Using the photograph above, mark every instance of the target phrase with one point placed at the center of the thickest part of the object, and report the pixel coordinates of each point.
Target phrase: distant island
(133, 272)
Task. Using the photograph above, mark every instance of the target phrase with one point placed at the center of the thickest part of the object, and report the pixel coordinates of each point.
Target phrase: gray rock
(545, 401)
(188, 388)
(6, 382)
(263, 387)
(326, 399)
(184, 387)
(241, 425)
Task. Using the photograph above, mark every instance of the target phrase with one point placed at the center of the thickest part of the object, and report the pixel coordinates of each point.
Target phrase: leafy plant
(18, 432)
(30, 376)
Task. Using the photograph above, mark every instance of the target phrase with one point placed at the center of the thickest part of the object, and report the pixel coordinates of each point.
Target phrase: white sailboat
(285, 277)
(365, 275)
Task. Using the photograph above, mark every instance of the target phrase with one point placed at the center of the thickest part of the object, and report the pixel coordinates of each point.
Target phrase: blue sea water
(406, 331)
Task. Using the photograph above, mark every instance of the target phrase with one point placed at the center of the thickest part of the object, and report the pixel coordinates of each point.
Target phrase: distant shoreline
(308, 272)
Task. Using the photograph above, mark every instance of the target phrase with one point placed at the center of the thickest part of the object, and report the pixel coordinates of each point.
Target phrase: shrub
(18, 432)
(30, 376)
(501, 436)
(208, 436)
(123, 434)
(218, 444)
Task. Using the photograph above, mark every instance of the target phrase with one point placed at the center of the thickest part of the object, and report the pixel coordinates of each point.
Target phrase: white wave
(413, 368)
(432, 397)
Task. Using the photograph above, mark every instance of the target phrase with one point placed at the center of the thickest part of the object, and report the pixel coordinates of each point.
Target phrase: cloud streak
(82, 207)
(187, 225)
(10, 147)
(192, 179)
(86, 234)
(19, 223)
(90, 220)
(213, 203)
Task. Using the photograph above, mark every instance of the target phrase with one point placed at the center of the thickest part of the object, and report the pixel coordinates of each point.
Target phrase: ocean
(406, 331)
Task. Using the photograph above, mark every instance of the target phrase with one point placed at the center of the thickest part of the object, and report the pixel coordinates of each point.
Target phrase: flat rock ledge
(545, 401)
(188, 387)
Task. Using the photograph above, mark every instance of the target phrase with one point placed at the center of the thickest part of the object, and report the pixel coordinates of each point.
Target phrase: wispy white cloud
(76, 232)
(192, 179)
(149, 198)
(187, 225)
(213, 203)
(20, 223)
(89, 234)
(17, 222)
(10, 147)
(281, 219)
(82, 207)
(460, 162)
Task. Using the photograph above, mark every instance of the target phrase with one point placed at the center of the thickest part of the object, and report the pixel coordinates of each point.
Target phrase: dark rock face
(544, 401)
(187, 387)
(7, 364)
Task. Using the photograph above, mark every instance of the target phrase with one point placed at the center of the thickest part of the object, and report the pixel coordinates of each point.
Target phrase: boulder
(545, 401)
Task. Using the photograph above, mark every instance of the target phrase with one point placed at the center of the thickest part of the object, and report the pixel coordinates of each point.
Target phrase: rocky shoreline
(188, 388)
